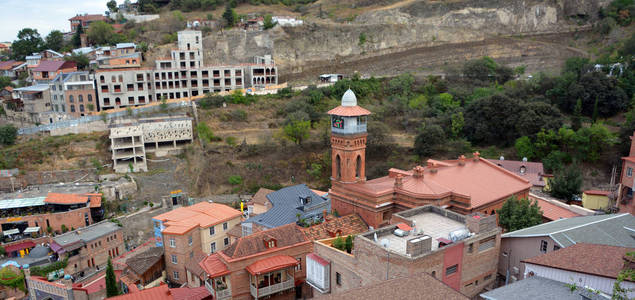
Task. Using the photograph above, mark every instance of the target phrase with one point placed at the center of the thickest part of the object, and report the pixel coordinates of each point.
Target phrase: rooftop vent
(400, 233)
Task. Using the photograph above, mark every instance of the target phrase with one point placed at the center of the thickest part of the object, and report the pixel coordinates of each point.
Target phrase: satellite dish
(385, 243)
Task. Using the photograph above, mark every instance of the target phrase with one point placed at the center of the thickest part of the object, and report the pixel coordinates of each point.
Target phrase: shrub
(206, 134)
(238, 115)
(230, 140)
(235, 179)
(8, 134)
(64, 228)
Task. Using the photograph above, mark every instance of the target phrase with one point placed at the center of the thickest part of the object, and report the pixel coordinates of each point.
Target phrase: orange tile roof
(95, 200)
(286, 236)
(597, 192)
(272, 263)
(160, 292)
(203, 214)
(261, 196)
(214, 266)
(349, 111)
(554, 212)
(404, 227)
(346, 225)
(477, 179)
(66, 199)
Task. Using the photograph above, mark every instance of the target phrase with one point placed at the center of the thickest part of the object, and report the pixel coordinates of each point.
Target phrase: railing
(272, 289)
(218, 294)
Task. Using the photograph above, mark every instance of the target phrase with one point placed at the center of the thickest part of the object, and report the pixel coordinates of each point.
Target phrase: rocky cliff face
(412, 24)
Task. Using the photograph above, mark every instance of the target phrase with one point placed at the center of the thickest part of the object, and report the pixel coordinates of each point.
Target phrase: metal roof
(24, 202)
(125, 45)
(33, 88)
(86, 234)
(613, 230)
(538, 288)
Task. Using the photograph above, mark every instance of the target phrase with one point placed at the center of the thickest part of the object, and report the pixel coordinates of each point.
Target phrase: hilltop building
(466, 185)
(73, 94)
(85, 20)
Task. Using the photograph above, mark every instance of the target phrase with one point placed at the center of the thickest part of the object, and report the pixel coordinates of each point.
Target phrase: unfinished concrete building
(128, 151)
(262, 73)
(161, 135)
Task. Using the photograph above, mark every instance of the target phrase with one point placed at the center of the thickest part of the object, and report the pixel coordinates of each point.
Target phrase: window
(81, 107)
(470, 248)
(486, 243)
(338, 278)
(434, 274)
(90, 98)
(211, 230)
(175, 275)
(299, 266)
(72, 108)
(451, 270)
(172, 242)
(212, 247)
(189, 240)
(629, 172)
(80, 98)
(556, 247)
(488, 277)
(226, 241)
(543, 246)
(225, 226)
(71, 98)
(174, 260)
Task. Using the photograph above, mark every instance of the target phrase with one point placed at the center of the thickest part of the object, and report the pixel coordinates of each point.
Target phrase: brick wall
(96, 253)
(45, 177)
(72, 219)
(183, 252)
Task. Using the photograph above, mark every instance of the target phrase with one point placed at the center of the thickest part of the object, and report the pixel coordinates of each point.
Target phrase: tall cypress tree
(576, 119)
(111, 281)
(77, 39)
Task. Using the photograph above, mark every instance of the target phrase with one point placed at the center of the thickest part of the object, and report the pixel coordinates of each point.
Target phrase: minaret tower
(348, 140)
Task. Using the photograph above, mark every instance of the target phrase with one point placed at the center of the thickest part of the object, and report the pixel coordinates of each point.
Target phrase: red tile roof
(533, 170)
(67, 199)
(600, 260)
(214, 266)
(95, 200)
(202, 214)
(343, 226)
(160, 292)
(54, 65)
(270, 264)
(349, 111)
(9, 64)
(552, 211)
(261, 196)
(89, 18)
(285, 236)
(97, 284)
(198, 293)
(597, 192)
(404, 227)
(317, 259)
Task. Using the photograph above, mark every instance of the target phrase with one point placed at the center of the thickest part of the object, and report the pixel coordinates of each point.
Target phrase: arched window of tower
(358, 166)
(338, 167)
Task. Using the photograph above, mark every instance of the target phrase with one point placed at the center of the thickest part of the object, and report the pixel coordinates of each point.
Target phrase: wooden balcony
(219, 293)
(271, 289)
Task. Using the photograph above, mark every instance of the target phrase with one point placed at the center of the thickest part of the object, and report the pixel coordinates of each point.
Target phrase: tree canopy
(55, 40)
(566, 182)
(8, 134)
(517, 214)
(29, 41)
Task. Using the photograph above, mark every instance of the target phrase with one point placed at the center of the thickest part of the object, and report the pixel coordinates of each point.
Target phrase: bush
(235, 180)
(566, 182)
(8, 134)
(230, 140)
(428, 141)
(238, 115)
(44, 270)
(205, 133)
(339, 243)
(211, 101)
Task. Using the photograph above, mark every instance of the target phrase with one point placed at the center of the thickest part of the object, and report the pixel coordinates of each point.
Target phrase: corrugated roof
(143, 261)
(53, 65)
(602, 229)
(86, 234)
(600, 260)
(538, 288)
(271, 263)
(533, 170)
(287, 204)
(23, 202)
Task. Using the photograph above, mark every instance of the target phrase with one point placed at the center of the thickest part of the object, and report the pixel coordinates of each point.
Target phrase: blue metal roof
(287, 204)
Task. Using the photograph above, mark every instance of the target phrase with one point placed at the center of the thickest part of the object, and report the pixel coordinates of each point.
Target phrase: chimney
(476, 156)
(399, 181)
(417, 172)
(462, 160)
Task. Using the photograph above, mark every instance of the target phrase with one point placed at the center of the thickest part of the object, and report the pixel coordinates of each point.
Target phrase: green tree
(80, 59)
(111, 281)
(517, 214)
(5, 81)
(8, 134)
(429, 139)
(64, 228)
(100, 33)
(628, 274)
(297, 131)
(112, 6)
(576, 119)
(594, 116)
(230, 16)
(28, 42)
(77, 36)
(349, 243)
(525, 148)
(268, 22)
(566, 182)
(55, 40)
(339, 243)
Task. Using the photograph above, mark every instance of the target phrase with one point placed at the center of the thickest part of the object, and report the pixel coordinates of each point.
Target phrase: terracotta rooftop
(597, 192)
(593, 259)
(143, 261)
(69, 199)
(202, 214)
(9, 64)
(418, 286)
(343, 226)
(477, 179)
(349, 111)
(54, 66)
(554, 212)
(271, 263)
(88, 18)
(532, 171)
(162, 292)
(261, 196)
(286, 235)
(214, 266)
(198, 293)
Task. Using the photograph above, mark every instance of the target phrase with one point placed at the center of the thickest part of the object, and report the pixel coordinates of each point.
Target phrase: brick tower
(348, 140)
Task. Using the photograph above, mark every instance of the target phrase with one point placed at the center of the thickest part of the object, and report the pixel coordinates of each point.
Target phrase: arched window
(70, 99)
(81, 107)
(358, 168)
(102, 79)
(120, 78)
(493, 212)
(112, 78)
(80, 98)
(90, 98)
(338, 167)
(72, 108)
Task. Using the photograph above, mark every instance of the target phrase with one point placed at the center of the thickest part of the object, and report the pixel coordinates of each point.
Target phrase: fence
(89, 119)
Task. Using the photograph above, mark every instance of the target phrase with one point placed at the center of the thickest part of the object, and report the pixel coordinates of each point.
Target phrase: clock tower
(348, 140)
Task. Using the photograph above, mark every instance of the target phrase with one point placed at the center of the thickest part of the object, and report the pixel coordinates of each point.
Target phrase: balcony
(221, 291)
(258, 292)
(272, 275)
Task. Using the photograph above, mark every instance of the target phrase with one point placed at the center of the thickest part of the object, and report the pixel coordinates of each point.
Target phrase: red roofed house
(259, 265)
(12, 68)
(162, 292)
(590, 265)
(186, 232)
(625, 192)
(47, 69)
(85, 21)
(464, 185)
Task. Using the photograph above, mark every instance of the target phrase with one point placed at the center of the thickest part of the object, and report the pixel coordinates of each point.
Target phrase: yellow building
(594, 199)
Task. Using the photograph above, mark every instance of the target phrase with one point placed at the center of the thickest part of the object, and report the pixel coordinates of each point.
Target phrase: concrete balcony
(219, 294)
(271, 289)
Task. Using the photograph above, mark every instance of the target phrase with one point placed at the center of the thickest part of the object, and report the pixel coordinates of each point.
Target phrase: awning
(56, 248)
(19, 246)
(11, 231)
(271, 264)
(32, 230)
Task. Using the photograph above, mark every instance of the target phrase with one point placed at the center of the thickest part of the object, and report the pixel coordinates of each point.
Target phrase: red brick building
(465, 185)
(85, 21)
(267, 263)
(461, 251)
(625, 193)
